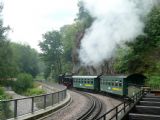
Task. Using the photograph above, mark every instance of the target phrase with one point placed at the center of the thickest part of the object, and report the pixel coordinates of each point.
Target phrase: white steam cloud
(117, 21)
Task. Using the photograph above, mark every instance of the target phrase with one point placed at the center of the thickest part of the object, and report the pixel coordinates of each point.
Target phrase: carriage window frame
(112, 83)
(109, 83)
(116, 83)
(92, 81)
(120, 84)
(81, 81)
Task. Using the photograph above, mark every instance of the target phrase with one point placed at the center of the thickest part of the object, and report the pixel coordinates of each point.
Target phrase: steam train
(119, 85)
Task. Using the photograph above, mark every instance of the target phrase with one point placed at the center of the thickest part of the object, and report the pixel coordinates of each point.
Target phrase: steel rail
(95, 109)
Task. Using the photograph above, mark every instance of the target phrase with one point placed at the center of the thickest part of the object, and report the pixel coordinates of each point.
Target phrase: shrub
(154, 81)
(24, 81)
(5, 111)
(1, 91)
(34, 91)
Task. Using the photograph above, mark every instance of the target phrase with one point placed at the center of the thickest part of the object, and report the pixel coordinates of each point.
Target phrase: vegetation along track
(94, 110)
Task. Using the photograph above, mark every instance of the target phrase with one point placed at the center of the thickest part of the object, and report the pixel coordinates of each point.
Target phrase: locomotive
(118, 85)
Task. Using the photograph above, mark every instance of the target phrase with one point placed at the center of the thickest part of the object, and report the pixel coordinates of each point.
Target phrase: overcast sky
(29, 19)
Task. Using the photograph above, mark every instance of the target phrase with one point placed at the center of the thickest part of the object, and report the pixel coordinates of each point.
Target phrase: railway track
(94, 110)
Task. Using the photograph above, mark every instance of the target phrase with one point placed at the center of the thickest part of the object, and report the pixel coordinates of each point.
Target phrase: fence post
(44, 101)
(62, 94)
(116, 113)
(52, 98)
(58, 97)
(104, 118)
(15, 108)
(32, 104)
(124, 107)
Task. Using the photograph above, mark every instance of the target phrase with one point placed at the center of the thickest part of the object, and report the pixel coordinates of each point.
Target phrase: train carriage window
(82, 80)
(116, 83)
(92, 82)
(112, 83)
(120, 84)
(88, 81)
(109, 83)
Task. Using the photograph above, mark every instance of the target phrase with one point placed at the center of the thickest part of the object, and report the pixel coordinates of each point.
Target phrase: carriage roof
(89, 77)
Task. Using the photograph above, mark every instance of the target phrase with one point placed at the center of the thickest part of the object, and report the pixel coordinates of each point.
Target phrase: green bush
(34, 91)
(24, 81)
(5, 111)
(1, 91)
(154, 81)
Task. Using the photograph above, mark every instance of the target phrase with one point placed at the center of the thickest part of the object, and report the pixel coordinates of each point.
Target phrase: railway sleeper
(149, 103)
(136, 116)
(151, 99)
(147, 110)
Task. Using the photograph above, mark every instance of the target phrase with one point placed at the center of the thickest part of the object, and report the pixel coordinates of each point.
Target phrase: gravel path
(78, 106)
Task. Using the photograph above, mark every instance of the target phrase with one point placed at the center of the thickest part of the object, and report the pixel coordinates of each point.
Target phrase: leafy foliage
(26, 59)
(34, 91)
(6, 62)
(52, 51)
(24, 81)
(5, 111)
(144, 51)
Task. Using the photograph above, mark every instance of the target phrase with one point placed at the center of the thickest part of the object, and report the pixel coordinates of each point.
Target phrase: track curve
(94, 110)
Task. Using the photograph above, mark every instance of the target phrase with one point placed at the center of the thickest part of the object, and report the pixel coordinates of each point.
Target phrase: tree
(52, 49)
(84, 15)
(144, 51)
(7, 68)
(26, 59)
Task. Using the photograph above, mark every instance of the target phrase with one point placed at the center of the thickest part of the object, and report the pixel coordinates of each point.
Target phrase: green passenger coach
(114, 84)
(87, 82)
